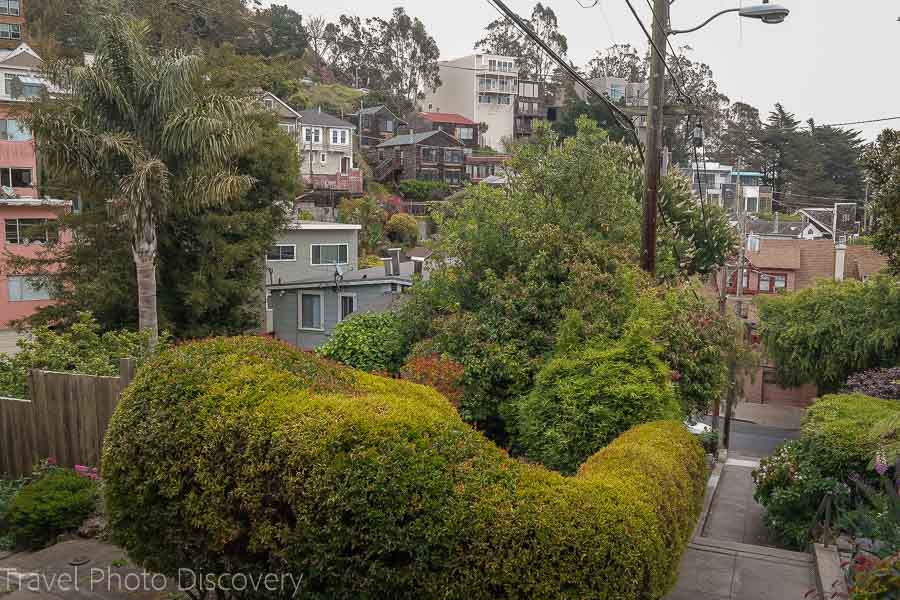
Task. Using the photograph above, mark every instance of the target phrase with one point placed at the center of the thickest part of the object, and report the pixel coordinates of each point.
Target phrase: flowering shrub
(875, 580)
(791, 487)
(878, 383)
(443, 374)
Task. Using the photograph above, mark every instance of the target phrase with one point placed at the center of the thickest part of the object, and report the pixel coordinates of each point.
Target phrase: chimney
(418, 265)
(395, 260)
(840, 257)
(387, 266)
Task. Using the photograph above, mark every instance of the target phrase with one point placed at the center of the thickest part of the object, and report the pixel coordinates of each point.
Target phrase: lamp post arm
(704, 23)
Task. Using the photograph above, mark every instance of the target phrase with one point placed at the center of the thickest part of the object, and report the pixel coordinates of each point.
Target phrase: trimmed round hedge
(244, 455)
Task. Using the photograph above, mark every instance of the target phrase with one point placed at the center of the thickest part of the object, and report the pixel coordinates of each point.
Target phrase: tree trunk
(144, 251)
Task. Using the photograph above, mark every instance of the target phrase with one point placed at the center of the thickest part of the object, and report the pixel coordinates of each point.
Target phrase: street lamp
(765, 12)
(771, 14)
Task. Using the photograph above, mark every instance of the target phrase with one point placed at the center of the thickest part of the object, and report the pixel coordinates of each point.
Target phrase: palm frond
(214, 127)
(213, 189)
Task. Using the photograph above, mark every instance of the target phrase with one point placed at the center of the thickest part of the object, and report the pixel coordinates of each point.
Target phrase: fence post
(126, 371)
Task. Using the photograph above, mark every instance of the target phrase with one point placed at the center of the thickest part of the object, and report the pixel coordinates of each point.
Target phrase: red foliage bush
(443, 374)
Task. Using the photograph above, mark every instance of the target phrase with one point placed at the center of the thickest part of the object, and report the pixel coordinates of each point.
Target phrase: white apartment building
(480, 87)
(723, 185)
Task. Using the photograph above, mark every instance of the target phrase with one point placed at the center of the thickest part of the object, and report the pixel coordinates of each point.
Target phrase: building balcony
(351, 182)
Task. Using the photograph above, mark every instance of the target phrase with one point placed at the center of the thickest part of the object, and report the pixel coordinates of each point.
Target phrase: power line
(504, 10)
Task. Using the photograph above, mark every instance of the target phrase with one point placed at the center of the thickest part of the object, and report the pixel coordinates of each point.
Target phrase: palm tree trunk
(144, 251)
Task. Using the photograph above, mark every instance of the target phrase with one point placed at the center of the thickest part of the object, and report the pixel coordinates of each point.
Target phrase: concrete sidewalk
(771, 415)
(731, 557)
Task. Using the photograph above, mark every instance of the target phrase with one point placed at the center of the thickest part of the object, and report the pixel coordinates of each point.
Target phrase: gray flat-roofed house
(314, 282)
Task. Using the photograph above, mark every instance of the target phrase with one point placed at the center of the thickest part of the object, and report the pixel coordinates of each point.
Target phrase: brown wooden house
(463, 129)
(429, 156)
(377, 124)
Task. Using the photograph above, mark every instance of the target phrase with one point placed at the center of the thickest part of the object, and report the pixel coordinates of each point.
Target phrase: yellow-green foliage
(245, 455)
(843, 431)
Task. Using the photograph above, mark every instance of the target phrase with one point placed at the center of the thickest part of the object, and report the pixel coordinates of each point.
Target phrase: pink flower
(51, 461)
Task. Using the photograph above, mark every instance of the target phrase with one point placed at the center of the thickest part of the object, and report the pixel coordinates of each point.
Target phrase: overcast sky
(825, 61)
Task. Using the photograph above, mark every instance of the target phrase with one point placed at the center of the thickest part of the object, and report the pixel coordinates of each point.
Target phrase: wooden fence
(65, 418)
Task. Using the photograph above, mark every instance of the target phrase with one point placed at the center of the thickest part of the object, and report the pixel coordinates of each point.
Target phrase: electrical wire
(659, 54)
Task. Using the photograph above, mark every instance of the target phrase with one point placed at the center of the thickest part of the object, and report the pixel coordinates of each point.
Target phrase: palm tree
(136, 130)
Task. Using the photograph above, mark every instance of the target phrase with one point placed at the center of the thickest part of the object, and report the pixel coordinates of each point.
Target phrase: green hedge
(842, 434)
(245, 455)
(583, 400)
(370, 342)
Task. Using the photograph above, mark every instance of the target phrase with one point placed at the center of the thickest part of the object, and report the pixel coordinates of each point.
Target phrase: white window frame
(321, 295)
(6, 10)
(312, 264)
(340, 305)
(294, 246)
(10, 31)
(23, 281)
(312, 135)
(343, 137)
(323, 158)
(335, 136)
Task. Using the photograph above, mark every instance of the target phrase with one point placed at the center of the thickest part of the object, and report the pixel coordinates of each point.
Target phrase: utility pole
(656, 98)
(740, 206)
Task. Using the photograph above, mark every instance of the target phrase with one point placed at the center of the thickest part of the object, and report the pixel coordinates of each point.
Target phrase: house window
(323, 158)
(770, 283)
(10, 129)
(27, 231)
(346, 305)
(466, 133)
(389, 125)
(288, 128)
(23, 289)
(269, 103)
(269, 301)
(15, 177)
(752, 204)
(484, 99)
(453, 156)
(10, 31)
(429, 154)
(492, 65)
(312, 135)
(329, 254)
(452, 177)
(9, 7)
(732, 281)
(282, 253)
(334, 136)
(504, 100)
(311, 313)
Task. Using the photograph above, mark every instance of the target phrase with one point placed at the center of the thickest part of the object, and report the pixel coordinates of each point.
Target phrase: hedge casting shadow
(244, 455)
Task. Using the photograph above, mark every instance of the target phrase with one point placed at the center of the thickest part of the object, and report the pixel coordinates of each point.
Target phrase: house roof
(784, 229)
(452, 118)
(284, 108)
(823, 217)
(776, 254)
(22, 56)
(419, 252)
(323, 119)
(370, 276)
(416, 138)
(321, 226)
(53, 202)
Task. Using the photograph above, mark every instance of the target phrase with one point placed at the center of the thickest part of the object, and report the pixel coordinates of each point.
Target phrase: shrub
(840, 438)
(790, 485)
(441, 373)
(370, 342)
(877, 581)
(245, 455)
(422, 191)
(878, 383)
(80, 348)
(403, 229)
(56, 502)
(842, 432)
(824, 333)
(582, 401)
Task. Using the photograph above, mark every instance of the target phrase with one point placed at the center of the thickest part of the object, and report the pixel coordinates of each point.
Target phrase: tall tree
(780, 139)
(882, 167)
(741, 138)
(280, 32)
(136, 128)
(619, 60)
(408, 55)
(504, 39)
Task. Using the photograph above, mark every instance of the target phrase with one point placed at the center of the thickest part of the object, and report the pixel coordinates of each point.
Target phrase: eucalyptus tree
(137, 130)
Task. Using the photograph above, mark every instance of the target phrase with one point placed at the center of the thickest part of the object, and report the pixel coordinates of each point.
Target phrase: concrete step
(706, 544)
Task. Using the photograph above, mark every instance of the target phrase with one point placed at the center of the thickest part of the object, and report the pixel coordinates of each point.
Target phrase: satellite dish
(339, 271)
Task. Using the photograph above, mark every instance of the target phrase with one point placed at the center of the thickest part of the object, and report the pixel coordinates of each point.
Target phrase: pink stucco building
(23, 212)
